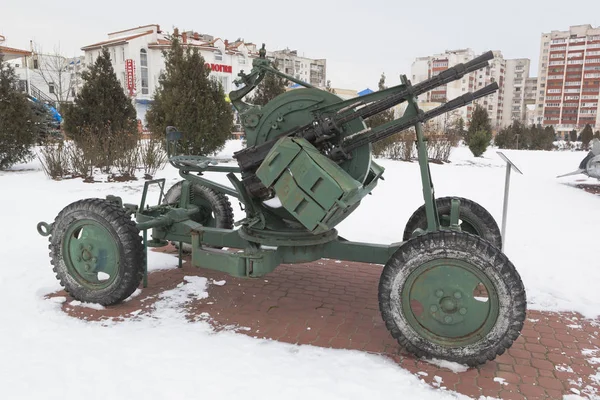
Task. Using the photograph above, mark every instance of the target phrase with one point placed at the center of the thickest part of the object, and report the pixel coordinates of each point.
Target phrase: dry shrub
(54, 157)
(397, 147)
(440, 145)
(127, 163)
(83, 156)
(152, 156)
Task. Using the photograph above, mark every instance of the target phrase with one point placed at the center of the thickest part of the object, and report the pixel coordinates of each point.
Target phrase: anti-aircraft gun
(446, 290)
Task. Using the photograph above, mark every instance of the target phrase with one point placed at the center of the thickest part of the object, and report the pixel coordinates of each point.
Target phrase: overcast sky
(359, 39)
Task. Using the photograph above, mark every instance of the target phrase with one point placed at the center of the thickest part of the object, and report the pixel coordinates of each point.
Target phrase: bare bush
(439, 146)
(152, 156)
(54, 157)
(127, 163)
(397, 147)
(83, 156)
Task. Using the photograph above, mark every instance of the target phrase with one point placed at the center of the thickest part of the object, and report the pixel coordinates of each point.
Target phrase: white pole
(505, 208)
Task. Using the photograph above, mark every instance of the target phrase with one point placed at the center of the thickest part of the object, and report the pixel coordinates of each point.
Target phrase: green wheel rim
(445, 301)
(91, 254)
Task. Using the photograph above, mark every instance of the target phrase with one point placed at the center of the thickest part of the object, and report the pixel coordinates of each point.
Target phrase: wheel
(215, 208)
(473, 218)
(96, 251)
(452, 296)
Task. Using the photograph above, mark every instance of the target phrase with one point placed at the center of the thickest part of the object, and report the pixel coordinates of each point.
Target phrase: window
(51, 87)
(225, 83)
(241, 60)
(35, 63)
(218, 55)
(113, 55)
(123, 53)
(144, 70)
(90, 58)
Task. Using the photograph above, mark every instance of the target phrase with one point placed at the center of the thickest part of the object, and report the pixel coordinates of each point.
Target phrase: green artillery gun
(446, 290)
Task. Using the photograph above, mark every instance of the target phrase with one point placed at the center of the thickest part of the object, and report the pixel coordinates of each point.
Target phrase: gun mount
(446, 290)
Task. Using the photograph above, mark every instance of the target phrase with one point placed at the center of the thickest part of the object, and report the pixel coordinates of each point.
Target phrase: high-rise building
(306, 69)
(569, 78)
(516, 76)
(496, 103)
(530, 101)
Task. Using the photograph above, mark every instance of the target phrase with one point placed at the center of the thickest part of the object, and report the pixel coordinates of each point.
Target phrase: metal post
(509, 165)
(145, 283)
(505, 208)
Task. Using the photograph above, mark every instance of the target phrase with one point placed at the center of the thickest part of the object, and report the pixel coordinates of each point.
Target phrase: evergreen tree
(101, 106)
(190, 100)
(17, 121)
(46, 126)
(597, 135)
(479, 142)
(504, 138)
(380, 119)
(458, 127)
(586, 136)
(546, 139)
(270, 87)
(479, 132)
(573, 135)
(383, 117)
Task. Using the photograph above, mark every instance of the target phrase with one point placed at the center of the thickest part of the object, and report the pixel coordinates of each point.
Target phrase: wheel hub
(441, 302)
(90, 253)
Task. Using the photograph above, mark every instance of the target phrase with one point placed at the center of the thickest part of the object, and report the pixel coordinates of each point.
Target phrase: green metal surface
(313, 189)
(91, 254)
(441, 302)
(296, 108)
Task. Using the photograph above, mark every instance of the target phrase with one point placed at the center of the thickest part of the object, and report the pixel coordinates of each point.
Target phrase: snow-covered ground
(551, 238)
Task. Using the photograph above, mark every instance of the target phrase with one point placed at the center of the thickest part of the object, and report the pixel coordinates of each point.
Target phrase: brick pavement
(330, 303)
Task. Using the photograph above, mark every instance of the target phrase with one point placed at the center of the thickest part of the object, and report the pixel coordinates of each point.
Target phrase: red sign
(219, 67)
(130, 75)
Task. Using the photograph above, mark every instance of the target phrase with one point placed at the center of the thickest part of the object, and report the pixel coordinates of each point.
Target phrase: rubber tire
(125, 234)
(470, 211)
(220, 205)
(478, 252)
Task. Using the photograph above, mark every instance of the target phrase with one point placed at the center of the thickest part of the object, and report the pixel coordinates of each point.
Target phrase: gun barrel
(444, 77)
(356, 141)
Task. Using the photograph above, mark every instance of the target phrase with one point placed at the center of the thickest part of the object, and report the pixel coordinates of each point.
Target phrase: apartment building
(515, 83)
(568, 90)
(312, 71)
(426, 67)
(138, 61)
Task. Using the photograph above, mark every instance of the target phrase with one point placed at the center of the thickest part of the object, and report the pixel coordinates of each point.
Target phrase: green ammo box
(314, 189)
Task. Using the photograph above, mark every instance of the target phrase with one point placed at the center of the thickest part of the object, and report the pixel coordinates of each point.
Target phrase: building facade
(138, 62)
(495, 104)
(515, 82)
(313, 71)
(569, 78)
(50, 78)
(137, 59)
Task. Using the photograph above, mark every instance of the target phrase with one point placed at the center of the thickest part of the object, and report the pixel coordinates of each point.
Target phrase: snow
(551, 240)
(94, 306)
(452, 366)
(500, 381)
